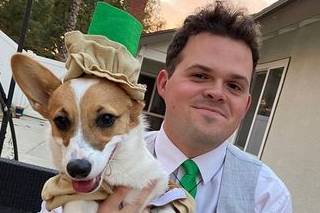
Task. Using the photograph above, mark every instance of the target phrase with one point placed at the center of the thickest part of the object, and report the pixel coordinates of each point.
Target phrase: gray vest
(239, 179)
(238, 183)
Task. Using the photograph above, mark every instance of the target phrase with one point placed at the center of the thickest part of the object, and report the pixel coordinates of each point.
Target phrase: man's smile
(211, 111)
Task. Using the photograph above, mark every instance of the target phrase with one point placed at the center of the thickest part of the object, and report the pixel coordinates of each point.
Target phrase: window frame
(260, 68)
(148, 111)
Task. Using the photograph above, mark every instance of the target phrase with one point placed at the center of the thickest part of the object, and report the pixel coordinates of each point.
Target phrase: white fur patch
(78, 148)
(80, 86)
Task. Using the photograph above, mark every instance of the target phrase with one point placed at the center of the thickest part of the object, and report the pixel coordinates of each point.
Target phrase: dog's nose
(79, 168)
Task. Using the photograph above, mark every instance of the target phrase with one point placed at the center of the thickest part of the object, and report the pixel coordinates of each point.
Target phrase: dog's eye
(105, 120)
(62, 122)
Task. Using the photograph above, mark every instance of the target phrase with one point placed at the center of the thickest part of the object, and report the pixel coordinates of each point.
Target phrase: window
(266, 88)
(155, 106)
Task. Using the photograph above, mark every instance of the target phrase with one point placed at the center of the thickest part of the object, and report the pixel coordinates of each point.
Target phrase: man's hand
(114, 203)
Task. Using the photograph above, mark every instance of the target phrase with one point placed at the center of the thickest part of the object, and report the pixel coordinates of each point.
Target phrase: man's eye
(235, 87)
(62, 122)
(105, 120)
(200, 76)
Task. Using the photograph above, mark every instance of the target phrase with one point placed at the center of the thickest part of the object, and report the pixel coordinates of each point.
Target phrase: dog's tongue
(84, 186)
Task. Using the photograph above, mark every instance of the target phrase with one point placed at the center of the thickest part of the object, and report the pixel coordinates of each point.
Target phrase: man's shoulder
(265, 173)
(242, 156)
(272, 195)
(268, 185)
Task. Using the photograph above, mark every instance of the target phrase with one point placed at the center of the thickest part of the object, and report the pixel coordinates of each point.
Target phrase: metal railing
(7, 101)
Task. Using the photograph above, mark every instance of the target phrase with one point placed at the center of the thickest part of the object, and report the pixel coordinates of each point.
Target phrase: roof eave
(272, 7)
(158, 36)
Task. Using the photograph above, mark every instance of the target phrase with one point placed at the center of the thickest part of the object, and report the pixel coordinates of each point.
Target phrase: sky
(174, 11)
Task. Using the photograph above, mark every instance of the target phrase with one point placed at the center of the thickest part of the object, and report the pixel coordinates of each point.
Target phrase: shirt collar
(168, 154)
(171, 157)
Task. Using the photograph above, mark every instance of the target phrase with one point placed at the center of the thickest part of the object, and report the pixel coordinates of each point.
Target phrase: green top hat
(117, 25)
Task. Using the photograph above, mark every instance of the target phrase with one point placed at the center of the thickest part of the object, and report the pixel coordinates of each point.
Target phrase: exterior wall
(156, 51)
(161, 46)
(292, 147)
(293, 12)
(152, 57)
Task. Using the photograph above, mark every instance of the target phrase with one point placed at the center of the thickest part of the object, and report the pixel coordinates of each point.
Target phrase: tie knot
(190, 167)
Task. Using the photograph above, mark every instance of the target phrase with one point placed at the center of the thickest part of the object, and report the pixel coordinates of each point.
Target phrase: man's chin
(208, 134)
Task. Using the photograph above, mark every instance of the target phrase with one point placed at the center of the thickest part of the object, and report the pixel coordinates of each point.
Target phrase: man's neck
(187, 144)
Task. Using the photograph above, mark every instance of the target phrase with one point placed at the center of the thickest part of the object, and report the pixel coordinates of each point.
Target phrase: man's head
(206, 89)
(219, 20)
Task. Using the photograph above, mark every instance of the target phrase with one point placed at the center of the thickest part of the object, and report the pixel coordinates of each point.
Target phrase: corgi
(96, 133)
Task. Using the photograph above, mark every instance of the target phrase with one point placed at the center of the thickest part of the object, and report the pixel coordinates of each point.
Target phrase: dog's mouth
(91, 185)
(86, 186)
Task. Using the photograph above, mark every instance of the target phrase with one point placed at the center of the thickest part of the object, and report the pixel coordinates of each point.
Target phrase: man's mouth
(210, 109)
(86, 186)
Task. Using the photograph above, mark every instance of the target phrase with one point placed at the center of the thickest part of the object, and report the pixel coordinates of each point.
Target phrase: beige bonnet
(99, 56)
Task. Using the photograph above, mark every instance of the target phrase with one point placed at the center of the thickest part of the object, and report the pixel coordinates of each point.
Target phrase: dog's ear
(135, 112)
(36, 81)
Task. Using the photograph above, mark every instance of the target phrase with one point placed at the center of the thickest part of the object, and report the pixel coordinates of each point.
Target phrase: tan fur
(62, 103)
(106, 97)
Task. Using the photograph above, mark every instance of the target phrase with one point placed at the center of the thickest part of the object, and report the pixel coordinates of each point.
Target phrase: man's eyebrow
(199, 66)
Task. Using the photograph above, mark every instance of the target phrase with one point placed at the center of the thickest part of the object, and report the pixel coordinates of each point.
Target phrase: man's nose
(215, 92)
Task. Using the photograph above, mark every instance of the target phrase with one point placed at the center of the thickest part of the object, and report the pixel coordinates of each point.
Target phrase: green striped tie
(189, 179)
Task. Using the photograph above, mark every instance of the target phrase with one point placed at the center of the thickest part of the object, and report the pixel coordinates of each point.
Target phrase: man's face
(207, 96)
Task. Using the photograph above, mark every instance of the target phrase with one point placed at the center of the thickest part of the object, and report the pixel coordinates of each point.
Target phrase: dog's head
(88, 115)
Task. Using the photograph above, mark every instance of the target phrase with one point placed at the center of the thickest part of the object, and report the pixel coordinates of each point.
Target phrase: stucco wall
(293, 144)
(292, 12)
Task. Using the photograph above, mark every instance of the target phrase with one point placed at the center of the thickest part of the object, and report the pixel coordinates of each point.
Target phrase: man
(206, 89)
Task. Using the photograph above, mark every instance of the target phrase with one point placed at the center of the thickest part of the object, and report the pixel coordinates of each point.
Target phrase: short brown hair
(217, 19)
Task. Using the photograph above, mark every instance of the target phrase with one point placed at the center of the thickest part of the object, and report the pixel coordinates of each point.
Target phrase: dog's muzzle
(79, 170)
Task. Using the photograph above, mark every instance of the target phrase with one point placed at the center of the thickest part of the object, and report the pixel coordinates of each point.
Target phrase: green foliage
(152, 21)
(46, 25)
(48, 21)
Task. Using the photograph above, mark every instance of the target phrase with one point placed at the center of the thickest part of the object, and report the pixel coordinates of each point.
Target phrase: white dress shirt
(271, 194)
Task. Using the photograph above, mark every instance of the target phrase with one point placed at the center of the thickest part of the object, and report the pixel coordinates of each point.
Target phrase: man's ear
(135, 112)
(162, 79)
(248, 104)
(36, 81)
